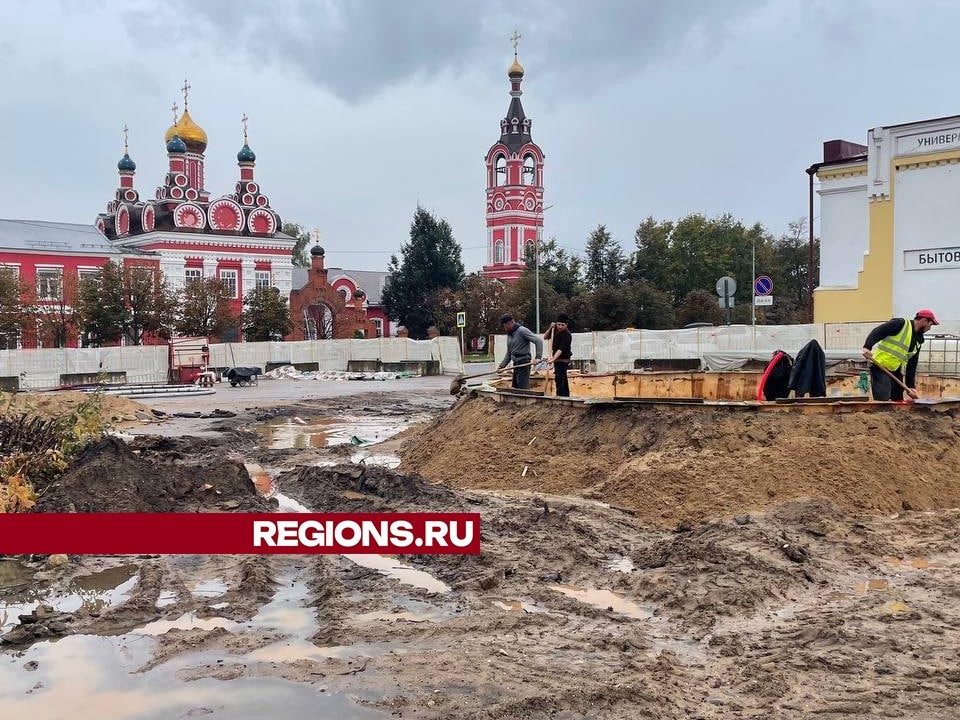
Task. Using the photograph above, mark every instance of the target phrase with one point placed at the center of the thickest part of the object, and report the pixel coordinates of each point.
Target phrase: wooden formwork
(709, 386)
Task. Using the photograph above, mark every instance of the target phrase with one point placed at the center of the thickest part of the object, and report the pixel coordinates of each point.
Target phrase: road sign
(726, 286)
(763, 285)
(461, 319)
(763, 300)
(727, 302)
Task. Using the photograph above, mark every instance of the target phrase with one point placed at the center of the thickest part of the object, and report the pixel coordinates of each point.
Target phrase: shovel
(457, 383)
(893, 377)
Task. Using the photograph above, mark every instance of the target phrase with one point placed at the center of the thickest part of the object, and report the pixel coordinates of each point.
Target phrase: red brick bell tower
(514, 187)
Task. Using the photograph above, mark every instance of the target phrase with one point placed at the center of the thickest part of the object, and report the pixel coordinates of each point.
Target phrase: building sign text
(929, 142)
(931, 259)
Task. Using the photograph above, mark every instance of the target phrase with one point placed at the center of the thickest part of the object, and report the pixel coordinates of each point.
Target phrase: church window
(499, 252)
(191, 274)
(262, 278)
(529, 170)
(501, 171)
(229, 278)
(50, 283)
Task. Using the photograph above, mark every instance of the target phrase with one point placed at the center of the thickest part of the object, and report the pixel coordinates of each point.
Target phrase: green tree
(13, 311)
(520, 301)
(266, 315)
(151, 305)
(699, 306)
(790, 256)
(431, 262)
(301, 257)
(101, 308)
(205, 308)
(651, 308)
(558, 268)
(651, 261)
(605, 259)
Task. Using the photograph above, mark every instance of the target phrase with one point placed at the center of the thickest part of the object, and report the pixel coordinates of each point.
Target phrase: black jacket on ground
(809, 374)
(889, 329)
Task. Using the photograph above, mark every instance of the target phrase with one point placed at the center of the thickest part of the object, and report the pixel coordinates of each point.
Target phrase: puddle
(289, 505)
(620, 563)
(208, 588)
(915, 563)
(166, 597)
(294, 433)
(398, 571)
(188, 621)
(86, 677)
(93, 593)
(13, 574)
(897, 607)
(871, 585)
(520, 606)
(605, 600)
(387, 461)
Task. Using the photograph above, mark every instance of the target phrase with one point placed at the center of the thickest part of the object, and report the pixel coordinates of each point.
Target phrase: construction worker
(895, 346)
(560, 337)
(518, 350)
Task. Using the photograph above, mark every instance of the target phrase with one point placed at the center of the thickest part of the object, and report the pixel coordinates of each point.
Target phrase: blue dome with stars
(176, 145)
(246, 154)
(126, 164)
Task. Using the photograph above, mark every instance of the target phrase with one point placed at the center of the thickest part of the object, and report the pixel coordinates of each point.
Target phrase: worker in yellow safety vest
(895, 345)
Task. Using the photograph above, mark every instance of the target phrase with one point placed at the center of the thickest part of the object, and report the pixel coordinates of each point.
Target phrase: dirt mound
(689, 464)
(111, 477)
(55, 404)
(346, 488)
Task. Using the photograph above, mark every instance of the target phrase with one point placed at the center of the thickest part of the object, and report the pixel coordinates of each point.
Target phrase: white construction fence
(53, 367)
(730, 346)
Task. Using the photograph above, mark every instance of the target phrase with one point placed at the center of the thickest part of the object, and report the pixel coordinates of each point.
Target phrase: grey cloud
(357, 48)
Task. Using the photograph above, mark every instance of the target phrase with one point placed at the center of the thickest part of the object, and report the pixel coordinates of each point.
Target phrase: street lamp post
(536, 265)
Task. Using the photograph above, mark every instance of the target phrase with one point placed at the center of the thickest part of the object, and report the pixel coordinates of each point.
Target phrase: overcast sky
(360, 109)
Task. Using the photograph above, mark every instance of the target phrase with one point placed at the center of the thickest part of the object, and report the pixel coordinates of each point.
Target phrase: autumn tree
(431, 262)
(266, 315)
(482, 299)
(205, 309)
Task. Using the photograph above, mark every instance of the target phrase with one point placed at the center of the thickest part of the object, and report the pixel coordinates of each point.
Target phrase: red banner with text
(239, 533)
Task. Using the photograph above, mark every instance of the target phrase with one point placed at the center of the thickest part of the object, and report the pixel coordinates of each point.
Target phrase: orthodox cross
(316, 235)
(243, 119)
(175, 109)
(516, 41)
(186, 92)
(126, 130)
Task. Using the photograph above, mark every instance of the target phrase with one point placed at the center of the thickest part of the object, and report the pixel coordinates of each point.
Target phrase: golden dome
(516, 68)
(191, 133)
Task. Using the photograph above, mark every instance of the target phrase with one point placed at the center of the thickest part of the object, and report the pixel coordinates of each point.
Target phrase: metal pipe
(811, 171)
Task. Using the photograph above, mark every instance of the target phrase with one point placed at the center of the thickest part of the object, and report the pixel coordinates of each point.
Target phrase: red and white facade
(514, 189)
(235, 237)
(181, 231)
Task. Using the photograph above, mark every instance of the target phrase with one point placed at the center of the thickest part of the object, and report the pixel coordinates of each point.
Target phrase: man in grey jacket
(518, 350)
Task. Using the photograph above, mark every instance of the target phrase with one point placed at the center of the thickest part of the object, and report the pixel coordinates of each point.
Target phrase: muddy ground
(824, 599)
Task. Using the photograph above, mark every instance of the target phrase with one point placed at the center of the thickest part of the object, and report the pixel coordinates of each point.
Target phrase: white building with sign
(890, 224)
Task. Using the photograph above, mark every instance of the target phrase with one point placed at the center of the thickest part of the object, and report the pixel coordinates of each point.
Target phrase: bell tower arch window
(529, 170)
(500, 171)
(498, 252)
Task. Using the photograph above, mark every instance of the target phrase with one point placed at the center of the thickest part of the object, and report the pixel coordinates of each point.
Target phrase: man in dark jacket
(518, 350)
(561, 339)
(895, 346)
